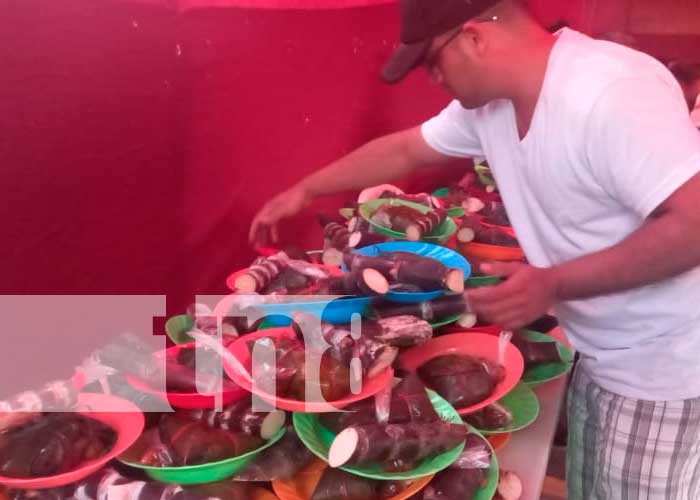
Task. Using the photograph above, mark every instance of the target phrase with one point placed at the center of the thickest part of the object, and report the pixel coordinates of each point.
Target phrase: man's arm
(667, 245)
(379, 161)
(382, 160)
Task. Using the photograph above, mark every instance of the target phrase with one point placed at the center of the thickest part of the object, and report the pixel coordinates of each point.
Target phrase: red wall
(277, 97)
(91, 170)
(90, 148)
(136, 144)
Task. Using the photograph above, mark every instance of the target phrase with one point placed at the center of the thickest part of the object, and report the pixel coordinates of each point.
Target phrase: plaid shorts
(628, 449)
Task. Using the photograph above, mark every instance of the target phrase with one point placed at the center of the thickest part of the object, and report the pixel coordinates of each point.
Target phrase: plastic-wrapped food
(333, 380)
(408, 220)
(433, 310)
(366, 281)
(426, 272)
(496, 236)
(494, 212)
(181, 378)
(374, 355)
(336, 239)
(52, 444)
(465, 476)
(261, 272)
(108, 484)
(410, 269)
(492, 417)
(336, 484)
(239, 417)
(391, 444)
(288, 282)
(25, 406)
(461, 380)
(535, 353)
(279, 462)
(195, 443)
(395, 331)
(364, 237)
(128, 354)
(290, 368)
(409, 403)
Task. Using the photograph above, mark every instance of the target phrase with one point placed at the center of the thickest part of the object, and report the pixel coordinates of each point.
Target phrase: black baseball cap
(423, 20)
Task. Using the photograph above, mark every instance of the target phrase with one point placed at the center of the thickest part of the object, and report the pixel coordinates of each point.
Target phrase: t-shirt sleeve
(453, 132)
(641, 144)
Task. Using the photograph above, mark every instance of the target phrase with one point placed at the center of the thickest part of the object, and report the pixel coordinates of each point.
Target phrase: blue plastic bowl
(338, 311)
(448, 257)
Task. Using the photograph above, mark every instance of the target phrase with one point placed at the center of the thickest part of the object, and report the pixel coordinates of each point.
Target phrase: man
(688, 75)
(597, 162)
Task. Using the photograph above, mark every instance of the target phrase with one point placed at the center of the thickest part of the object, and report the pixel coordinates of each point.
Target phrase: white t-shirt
(610, 140)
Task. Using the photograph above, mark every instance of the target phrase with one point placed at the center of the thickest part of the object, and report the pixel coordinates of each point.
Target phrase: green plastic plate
(540, 374)
(440, 235)
(442, 192)
(456, 212)
(445, 321)
(479, 281)
(205, 473)
(436, 324)
(488, 491)
(523, 404)
(177, 327)
(318, 439)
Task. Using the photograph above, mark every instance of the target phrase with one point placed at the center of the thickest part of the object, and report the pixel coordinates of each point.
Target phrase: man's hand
(399, 154)
(286, 204)
(527, 294)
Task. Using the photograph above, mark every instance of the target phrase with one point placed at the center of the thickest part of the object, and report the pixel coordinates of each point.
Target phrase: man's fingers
(514, 322)
(498, 310)
(502, 269)
(490, 294)
(509, 320)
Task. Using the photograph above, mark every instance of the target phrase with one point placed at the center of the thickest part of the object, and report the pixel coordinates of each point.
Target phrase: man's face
(453, 61)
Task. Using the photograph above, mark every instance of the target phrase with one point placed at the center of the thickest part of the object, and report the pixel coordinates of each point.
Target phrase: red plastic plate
(186, 400)
(499, 441)
(481, 345)
(506, 229)
(484, 251)
(490, 329)
(240, 350)
(121, 415)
